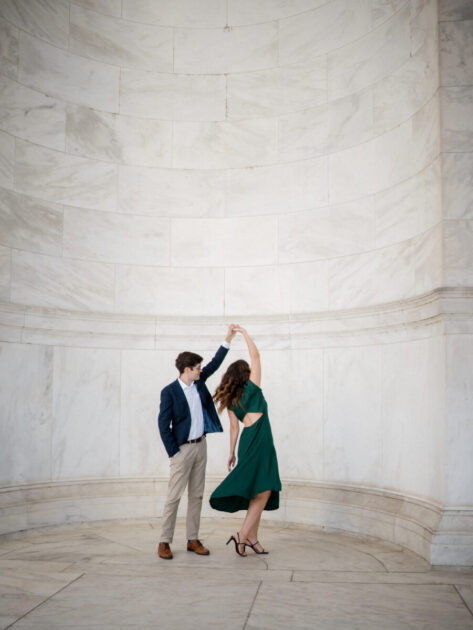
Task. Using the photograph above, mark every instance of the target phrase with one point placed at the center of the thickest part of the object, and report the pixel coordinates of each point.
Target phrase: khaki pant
(187, 469)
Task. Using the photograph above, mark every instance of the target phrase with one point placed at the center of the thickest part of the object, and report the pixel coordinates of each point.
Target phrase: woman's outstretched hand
(231, 462)
(231, 332)
(240, 329)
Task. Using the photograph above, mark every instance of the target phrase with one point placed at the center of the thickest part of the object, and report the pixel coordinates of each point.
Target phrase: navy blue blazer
(174, 419)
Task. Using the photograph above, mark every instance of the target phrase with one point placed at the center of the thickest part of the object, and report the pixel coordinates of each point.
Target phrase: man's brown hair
(187, 359)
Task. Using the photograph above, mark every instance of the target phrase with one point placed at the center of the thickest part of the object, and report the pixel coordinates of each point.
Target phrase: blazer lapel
(181, 395)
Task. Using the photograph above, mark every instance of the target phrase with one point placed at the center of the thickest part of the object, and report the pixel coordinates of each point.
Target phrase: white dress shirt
(195, 405)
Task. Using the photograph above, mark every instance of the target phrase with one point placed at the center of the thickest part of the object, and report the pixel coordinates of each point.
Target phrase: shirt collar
(184, 386)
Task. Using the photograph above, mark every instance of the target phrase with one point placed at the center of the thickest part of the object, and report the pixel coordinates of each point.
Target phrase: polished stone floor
(107, 576)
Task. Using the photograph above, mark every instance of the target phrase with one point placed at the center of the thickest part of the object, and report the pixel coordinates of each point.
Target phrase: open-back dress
(257, 467)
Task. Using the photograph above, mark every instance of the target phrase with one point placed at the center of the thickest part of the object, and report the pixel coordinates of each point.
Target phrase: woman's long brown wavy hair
(230, 390)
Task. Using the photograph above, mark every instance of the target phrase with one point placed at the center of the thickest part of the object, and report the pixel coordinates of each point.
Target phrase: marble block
(143, 375)
(26, 395)
(409, 208)
(9, 47)
(218, 51)
(370, 58)
(407, 149)
(60, 283)
(46, 20)
(428, 265)
(120, 42)
(277, 90)
(303, 134)
(248, 12)
(117, 238)
(86, 399)
(382, 10)
(304, 287)
(298, 414)
(171, 192)
(456, 51)
(328, 27)
(459, 427)
(172, 96)
(254, 290)
(116, 138)
(457, 185)
(347, 183)
(423, 23)
(7, 159)
(280, 188)
(458, 252)
(168, 291)
(412, 421)
(68, 76)
(231, 144)
(30, 224)
(407, 89)
(282, 289)
(452, 10)
(31, 115)
(372, 277)
(62, 178)
(224, 242)
(5, 273)
(107, 7)
(457, 119)
(326, 232)
(350, 120)
(209, 14)
(352, 419)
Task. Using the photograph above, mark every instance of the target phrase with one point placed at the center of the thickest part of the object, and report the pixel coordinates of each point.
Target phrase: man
(186, 414)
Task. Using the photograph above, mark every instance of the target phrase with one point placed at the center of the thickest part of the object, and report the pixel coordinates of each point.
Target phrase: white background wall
(164, 171)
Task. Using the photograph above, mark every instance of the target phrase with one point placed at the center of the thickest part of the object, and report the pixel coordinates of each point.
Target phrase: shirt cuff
(226, 345)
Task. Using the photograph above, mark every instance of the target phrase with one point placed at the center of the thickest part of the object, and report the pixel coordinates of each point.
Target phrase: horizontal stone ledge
(442, 311)
(417, 524)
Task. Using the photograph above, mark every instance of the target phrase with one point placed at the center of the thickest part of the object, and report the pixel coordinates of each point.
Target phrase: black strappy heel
(237, 542)
(253, 545)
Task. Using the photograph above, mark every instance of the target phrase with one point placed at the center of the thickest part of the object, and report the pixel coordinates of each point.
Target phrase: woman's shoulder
(252, 385)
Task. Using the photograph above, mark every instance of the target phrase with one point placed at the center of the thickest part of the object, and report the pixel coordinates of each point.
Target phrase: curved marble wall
(265, 145)
(164, 170)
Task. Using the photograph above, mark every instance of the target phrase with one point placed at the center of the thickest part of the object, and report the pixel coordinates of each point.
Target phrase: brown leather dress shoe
(197, 547)
(164, 551)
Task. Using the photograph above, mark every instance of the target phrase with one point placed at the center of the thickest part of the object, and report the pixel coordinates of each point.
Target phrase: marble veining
(62, 178)
(7, 159)
(9, 48)
(30, 224)
(118, 139)
(172, 96)
(120, 42)
(67, 76)
(31, 115)
(216, 51)
(325, 28)
(45, 20)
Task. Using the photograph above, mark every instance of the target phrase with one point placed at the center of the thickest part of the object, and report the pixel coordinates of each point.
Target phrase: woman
(254, 483)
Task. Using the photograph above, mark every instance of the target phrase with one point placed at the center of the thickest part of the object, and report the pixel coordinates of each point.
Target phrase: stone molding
(446, 310)
(440, 535)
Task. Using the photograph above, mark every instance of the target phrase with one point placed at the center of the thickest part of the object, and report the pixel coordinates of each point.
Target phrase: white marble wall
(456, 98)
(291, 163)
(311, 121)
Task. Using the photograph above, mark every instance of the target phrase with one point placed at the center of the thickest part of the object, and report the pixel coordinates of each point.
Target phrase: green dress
(257, 467)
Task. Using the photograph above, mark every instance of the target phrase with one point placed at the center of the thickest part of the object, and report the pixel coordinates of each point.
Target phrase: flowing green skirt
(255, 472)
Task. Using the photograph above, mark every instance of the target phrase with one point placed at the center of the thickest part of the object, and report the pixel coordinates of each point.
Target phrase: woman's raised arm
(255, 361)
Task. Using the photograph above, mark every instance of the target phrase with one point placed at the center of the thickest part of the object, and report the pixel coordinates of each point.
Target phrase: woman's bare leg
(249, 529)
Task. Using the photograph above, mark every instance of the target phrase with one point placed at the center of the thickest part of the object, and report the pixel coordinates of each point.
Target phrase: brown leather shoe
(197, 547)
(164, 551)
